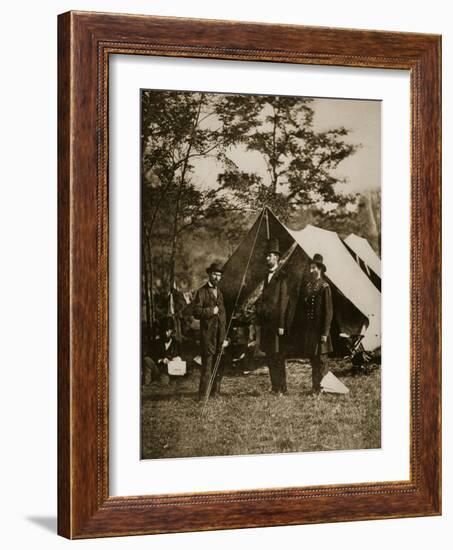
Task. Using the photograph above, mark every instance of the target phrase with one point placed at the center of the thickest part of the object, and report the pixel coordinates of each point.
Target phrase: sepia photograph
(260, 274)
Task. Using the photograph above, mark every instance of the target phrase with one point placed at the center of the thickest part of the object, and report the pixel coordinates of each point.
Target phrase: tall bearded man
(209, 308)
(317, 312)
(271, 316)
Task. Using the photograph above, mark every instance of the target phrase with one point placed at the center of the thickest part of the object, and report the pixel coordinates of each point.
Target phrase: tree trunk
(145, 282)
(273, 158)
(372, 225)
(151, 277)
(178, 199)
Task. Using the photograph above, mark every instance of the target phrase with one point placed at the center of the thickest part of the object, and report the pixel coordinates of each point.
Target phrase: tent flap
(365, 252)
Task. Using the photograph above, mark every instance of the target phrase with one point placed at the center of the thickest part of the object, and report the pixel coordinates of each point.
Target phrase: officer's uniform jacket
(212, 326)
(317, 313)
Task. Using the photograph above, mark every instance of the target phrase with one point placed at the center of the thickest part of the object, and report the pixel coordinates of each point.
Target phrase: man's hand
(323, 338)
(281, 331)
(225, 343)
(216, 310)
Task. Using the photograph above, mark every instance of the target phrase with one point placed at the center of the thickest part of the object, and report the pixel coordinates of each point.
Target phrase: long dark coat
(271, 309)
(317, 312)
(212, 327)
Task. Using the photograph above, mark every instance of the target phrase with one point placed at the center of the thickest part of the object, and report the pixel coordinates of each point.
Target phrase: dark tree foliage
(178, 129)
(300, 162)
(175, 133)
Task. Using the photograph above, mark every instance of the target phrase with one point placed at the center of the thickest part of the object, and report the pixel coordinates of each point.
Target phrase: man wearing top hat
(317, 311)
(209, 308)
(271, 312)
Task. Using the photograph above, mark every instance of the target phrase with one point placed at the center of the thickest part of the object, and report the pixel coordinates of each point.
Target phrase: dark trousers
(207, 366)
(150, 371)
(320, 367)
(277, 371)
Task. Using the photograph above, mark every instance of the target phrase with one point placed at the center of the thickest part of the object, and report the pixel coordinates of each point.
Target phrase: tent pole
(268, 233)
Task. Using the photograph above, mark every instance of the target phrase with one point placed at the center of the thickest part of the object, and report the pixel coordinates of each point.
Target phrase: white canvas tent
(346, 275)
(357, 302)
(362, 248)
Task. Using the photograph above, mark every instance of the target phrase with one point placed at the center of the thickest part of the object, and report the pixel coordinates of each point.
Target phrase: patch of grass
(247, 419)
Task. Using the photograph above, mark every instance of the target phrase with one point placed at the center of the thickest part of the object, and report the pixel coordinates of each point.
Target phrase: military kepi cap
(319, 261)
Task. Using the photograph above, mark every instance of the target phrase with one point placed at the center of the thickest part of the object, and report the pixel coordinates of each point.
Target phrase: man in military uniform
(209, 308)
(271, 317)
(317, 311)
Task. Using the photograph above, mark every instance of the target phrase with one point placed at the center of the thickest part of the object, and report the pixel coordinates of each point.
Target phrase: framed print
(232, 350)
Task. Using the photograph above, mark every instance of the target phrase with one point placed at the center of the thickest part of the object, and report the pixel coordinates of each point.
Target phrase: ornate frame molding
(86, 40)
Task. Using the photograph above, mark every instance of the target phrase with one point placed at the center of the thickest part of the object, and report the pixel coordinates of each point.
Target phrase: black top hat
(319, 261)
(215, 266)
(273, 246)
(167, 323)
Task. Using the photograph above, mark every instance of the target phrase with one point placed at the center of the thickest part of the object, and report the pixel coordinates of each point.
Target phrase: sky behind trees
(363, 120)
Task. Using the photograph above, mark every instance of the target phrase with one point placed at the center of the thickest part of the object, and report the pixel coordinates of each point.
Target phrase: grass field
(247, 419)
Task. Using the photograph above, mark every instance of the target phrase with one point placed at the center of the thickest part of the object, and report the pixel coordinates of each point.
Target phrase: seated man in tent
(317, 311)
(271, 309)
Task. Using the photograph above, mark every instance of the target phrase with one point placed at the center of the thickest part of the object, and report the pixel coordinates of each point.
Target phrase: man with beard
(209, 308)
(271, 316)
(317, 312)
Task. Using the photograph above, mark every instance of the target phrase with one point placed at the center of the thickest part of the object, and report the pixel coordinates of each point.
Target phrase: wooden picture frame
(85, 41)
